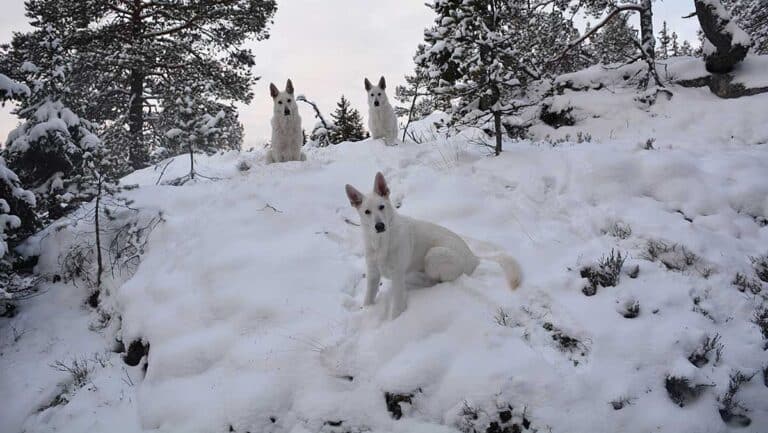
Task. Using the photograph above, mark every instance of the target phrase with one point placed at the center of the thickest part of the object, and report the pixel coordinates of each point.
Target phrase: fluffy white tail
(511, 269)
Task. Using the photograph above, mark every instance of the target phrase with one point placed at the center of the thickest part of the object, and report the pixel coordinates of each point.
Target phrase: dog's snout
(380, 227)
(287, 112)
(376, 103)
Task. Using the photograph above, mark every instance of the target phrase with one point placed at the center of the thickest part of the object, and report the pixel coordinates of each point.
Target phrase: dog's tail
(511, 268)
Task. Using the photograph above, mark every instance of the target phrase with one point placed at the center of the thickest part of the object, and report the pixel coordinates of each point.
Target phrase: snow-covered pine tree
(482, 53)
(349, 123)
(17, 217)
(665, 40)
(51, 148)
(615, 42)
(686, 49)
(674, 46)
(200, 125)
(126, 54)
(752, 16)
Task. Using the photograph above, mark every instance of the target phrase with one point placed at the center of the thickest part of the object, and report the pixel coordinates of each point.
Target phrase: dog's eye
(371, 94)
(381, 207)
(280, 102)
(289, 101)
(379, 94)
(367, 211)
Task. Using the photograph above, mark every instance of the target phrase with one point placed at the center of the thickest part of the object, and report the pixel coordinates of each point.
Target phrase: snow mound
(249, 293)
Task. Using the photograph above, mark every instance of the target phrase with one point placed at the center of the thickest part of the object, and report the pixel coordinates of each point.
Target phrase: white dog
(382, 121)
(397, 247)
(287, 136)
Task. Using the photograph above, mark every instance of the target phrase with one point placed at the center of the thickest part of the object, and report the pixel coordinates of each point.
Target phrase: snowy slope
(250, 291)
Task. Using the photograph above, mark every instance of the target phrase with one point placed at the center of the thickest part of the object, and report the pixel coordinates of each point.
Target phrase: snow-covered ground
(249, 293)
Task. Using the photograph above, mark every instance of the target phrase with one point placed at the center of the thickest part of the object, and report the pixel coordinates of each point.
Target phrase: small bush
(566, 343)
(760, 318)
(760, 265)
(502, 420)
(675, 257)
(701, 356)
(395, 400)
(681, 391)
(618, 230)
(620, 403)
(747, 284)
(605, 273)
(731, 410)
(79, 369)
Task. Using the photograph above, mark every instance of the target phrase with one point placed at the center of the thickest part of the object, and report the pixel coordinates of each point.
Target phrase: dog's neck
(379, 243)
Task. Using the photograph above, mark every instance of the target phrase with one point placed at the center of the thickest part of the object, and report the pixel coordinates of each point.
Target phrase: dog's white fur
(399, 248)
(382, 121)
(287, 136)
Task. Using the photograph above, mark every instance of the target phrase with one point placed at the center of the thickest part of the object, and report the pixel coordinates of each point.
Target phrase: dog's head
(284, 102)
(375, 209)
(376, 94)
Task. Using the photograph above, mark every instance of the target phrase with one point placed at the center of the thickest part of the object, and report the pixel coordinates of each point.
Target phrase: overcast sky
(327, 47)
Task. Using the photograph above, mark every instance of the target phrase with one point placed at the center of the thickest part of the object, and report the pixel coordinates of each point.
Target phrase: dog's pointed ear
(382, 83)
(355, 196)
(273, 90)
(368, 84)
(380, 185)
(289, 87)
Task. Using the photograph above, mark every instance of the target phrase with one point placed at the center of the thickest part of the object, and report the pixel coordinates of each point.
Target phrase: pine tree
(51, 148)
(349, 124)
(686, 49)
(616, 41)
(752, 16)
(128, 55)
(664, 42)
(675, 47)
(483, 53)
(17, 217)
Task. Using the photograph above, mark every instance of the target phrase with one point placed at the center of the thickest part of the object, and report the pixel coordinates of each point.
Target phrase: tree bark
(99, 264)
(727, 54)
(138, 153)
(497, 127)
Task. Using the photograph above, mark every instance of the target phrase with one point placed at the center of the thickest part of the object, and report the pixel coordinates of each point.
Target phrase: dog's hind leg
(443, 264)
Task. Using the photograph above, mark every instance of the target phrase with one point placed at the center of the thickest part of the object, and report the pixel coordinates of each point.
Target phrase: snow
(250, 291)
(11, 88)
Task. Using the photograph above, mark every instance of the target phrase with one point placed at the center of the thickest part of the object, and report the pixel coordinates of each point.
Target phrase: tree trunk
(727, 53)
(413, 107)
(497, 127)
(99, 264)
(191, 163)
(138, 153)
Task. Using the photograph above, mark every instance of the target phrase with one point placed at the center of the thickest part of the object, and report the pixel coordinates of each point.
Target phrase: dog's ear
(368, 85)
(289, 87)
(380, 185)
(273, 90)
(355, 196)
(382, 83)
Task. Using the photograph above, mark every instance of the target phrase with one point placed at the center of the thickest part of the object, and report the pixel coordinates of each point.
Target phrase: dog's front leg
(398, 302)
(373, 278)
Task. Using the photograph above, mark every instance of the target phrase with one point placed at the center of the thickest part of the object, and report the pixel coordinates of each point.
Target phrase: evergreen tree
(17, 217)
(615, 42)
(349, 124)
(52, 147)
(675, 47)
(415, 99)
(752, 16)
(686, 49)
(482, 53)
(664, 42)
(127, 57)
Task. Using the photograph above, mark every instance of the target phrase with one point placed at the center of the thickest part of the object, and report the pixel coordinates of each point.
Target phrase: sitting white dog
(382, 121)
(398, 247)
(287, 137)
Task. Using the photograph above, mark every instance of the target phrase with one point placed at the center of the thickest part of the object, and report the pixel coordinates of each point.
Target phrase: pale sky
(327, 47)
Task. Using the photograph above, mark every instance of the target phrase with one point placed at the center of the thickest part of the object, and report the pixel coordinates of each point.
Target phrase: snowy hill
(248, 295)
